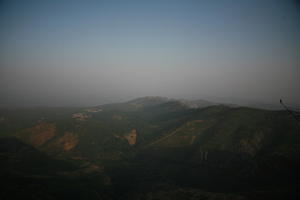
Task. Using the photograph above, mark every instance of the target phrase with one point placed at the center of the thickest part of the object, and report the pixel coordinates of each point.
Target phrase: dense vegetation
(149, 148)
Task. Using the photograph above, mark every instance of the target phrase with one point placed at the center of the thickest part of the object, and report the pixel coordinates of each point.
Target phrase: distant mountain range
(156, 100)
(232, 102)
(150, 101)
(149, 148)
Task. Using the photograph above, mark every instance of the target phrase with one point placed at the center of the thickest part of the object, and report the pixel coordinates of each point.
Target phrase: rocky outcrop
(131, 137)
(68, 141)
(39, 134)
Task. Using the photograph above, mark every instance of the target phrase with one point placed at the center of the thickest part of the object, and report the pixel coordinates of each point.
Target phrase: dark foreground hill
(149, 148)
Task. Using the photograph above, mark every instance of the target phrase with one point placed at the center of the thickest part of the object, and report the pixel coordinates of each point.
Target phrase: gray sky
(74, 53)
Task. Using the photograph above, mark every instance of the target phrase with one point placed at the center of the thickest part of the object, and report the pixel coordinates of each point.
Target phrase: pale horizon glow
(82, 53)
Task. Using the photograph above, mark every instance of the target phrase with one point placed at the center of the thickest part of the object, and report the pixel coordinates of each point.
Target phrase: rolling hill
(152, 148)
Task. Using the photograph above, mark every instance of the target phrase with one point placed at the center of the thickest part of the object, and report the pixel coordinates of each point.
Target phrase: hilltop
(159, 147)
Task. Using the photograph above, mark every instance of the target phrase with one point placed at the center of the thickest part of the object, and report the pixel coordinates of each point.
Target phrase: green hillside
(151, 148)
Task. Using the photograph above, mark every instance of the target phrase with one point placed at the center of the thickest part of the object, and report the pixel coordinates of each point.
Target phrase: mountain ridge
(159, 141)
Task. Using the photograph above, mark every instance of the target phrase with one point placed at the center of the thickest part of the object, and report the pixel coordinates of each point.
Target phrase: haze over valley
(149, 99)
(77, 53)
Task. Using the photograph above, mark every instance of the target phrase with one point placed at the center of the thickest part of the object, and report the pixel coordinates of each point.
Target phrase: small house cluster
(80, 116)
(94, 110)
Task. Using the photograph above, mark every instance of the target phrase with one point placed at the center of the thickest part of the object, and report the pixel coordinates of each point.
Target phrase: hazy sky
(76, 53)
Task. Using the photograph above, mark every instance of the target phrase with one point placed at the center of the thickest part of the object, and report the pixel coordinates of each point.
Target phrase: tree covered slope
(153, 147)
